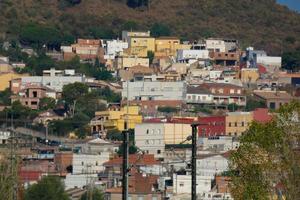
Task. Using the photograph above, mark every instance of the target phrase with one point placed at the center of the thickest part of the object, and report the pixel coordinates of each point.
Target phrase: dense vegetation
(259, 23)
(268, 161)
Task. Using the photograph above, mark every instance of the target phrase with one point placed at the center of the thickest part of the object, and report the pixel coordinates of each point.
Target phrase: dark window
(243, 123)
(229, 124)
(235, 124)
(158, 151)
(272, 105)
(34, 93)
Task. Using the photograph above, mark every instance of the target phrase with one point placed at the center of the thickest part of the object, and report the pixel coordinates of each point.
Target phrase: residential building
(51, 80)
(63, 161)
(218, 143)
(149, 137)
(89, 163)
(211, 126)
(221, 45)
(4, 137)
(140, 46)
(140, 187)
(249, 75)
(115, 117)
(184, 55)
(182, 184)
(226, 93)
(143, 162)
(225, 58)
(99, 146)
(168, 46)
(210, 165)
(86, 49)
(5, 79)
(199, 95)
(237, 123)
(130, 73)
(175, 133)
(128, 62)
(274, 99)
(127, 34)
(31, 95)
(268, 60)
(114, 48)
(154, 90)
(47, 116)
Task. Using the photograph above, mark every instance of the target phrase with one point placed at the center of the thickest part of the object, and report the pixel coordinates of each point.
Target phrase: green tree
(232, 107)
(36, 64)
(150, 55)
(268, 156)
(47, 103)
(95, 193)
(73, 91)
(5, 97)
(159, 29)
(49, 188)
(167, 109)
(252, 104)
(291, 60)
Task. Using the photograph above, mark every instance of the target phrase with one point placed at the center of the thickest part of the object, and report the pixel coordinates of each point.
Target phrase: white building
(154, 90)
(199, 95)
(220, 45)
(182, 184)
(127, 34)
(220, 143)
(88, 163)
(149, 137)
(269, 60)
(79, 180)
(114, 48)
(215, 74)
(4, 136)
(191, 54)
(211, 164)
(52, 80)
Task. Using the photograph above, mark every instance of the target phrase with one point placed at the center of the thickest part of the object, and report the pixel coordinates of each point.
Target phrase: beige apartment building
(237, 123)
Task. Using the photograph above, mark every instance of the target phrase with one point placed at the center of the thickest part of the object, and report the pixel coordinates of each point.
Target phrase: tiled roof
(274, 95)
(197, 90)
(135, 159)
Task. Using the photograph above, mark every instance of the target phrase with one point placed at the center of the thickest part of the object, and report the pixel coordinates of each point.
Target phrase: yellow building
(168, 46)
(128, 62)
(238, 122)
(116, 118)
(249, 75)
(175, 133)
(5, 78)
(139, 46)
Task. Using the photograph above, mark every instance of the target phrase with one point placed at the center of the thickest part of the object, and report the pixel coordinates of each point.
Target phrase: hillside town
(164, 108)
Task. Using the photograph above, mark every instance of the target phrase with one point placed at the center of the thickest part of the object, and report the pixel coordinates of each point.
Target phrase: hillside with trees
(263, 24)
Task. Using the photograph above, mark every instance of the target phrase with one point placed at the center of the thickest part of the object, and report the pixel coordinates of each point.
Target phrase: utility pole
(194, 165)
(125, 150)
(125, 166)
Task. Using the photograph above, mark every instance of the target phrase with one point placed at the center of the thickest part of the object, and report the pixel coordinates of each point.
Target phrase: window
(181, 184)
(34, 93)
(243, 123)
(229, 124)
(231, 91)
(272, 105)
(96, 163)
(158, 151)
(34, 103)
(235, 124)
(82, 163)
(147, 131)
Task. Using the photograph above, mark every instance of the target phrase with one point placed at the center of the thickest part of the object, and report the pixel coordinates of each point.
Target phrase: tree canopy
(48, 188)
(267, 161)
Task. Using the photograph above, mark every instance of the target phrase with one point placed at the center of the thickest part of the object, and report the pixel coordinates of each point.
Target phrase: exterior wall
(62, 161)
(4, 136)
(182, 184)
(115, 47)
(6, 78)
(139, 46)
(215, 126)
(87, 163)
(237, 123)
(211, 166)
(220, 143)
(215, 45)
(199, 98)
(175, 133)
(269, 60)
(155, 90)
(128, 62)
(149, 137)
(150, 107)
(127, 34)
(184, 54)
(54, 82)
(167, 45)
(249, 75)
(118, 196)
(79, 180)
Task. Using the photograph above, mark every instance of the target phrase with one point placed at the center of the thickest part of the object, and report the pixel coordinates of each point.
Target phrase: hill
(263, 24)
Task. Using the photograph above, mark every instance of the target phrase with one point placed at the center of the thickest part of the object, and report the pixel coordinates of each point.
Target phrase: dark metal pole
(125, 166)
(194, 166)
